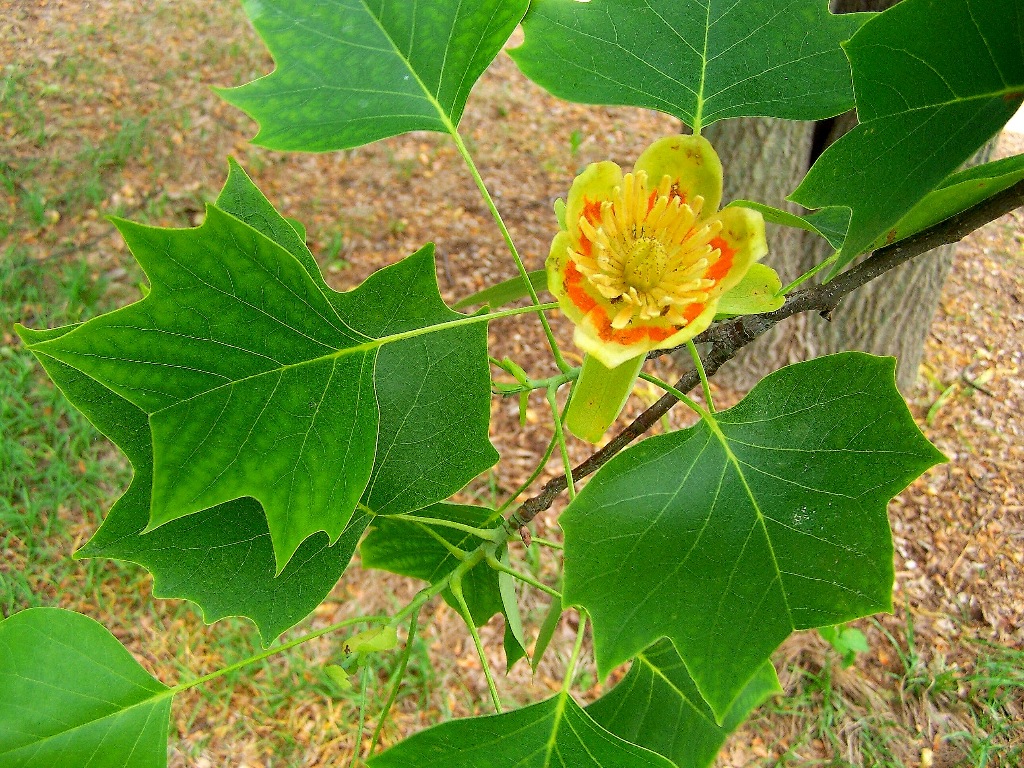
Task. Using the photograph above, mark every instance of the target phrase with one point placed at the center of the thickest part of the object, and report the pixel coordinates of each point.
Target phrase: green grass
(832, 719)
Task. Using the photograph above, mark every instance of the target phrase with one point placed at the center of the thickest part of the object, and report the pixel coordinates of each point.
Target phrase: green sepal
(757, 292)
(599, 396)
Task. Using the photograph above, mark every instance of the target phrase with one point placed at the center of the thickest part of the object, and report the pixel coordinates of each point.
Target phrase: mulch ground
(958, 530)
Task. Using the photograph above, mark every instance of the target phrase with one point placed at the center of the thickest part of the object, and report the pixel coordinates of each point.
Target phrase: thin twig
(729, 337)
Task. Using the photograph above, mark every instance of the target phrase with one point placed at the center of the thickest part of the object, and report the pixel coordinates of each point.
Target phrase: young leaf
(351, 72)
(926, 103)
(505, 292)
(552, 733)
(956, 194)
(773, 511)
(372, 640)
(829, 223)
(261, 381)
(70, 694)
(658, 707)
(407, 548)
(546, 632)
(222, 558)
(700, 61)
(847, 641)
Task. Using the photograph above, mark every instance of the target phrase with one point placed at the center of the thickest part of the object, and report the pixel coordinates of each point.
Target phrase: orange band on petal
(660, 334)
(692, 312)
(573, 285)
(591, 211)
(720, 268)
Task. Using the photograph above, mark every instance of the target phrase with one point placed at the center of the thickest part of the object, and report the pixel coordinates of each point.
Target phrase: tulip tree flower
(640, 263)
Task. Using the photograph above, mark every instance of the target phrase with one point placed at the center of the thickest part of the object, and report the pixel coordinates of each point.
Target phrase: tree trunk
(764, 160)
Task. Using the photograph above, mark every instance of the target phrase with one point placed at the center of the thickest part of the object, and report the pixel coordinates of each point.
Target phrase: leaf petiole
(496, 215)
(808, 275)
(487, 534)
(556, 419)
(685, 399)
(699, 365)
(497, 565)
(455, 585)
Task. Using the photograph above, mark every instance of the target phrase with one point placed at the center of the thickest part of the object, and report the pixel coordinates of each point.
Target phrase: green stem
(688, 401)
(403, 663)
(277, 649)
(559, 360)
(455, 585)
(570, 670)
(699, 365)
(497, 565)
(547, 543)
(487, 534)
(560, 438)
(364, 677)
(808, 275)
(456, 552)
(536, 473)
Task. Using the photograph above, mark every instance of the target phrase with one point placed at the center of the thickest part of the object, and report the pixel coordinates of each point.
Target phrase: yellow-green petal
(594, 185)
(691, 162)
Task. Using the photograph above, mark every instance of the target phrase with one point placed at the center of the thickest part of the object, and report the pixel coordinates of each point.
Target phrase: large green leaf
(353, 71)
(770, 517)
(221, 558)
(935, 79)
(71, 695)
(657, 706)
(261, 381)
(423, 454)
(552, 733)
(700, 60)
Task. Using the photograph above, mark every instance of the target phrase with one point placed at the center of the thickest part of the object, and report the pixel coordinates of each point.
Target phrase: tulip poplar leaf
(760, 520)
(555, 733)
(222, 558)
(925, 102)
(70, 694)
(260, 381)
(656, 705)
(351, 71)
(701, 60)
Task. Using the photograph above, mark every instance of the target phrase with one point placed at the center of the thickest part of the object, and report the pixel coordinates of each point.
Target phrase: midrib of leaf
(432, 98)
(698, 116)
(373, 345)
(716, 429)
(655, 670)
(955, 101)
(553, 736)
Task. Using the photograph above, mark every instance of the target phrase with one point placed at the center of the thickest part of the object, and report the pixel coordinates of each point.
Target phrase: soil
(959, 530)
